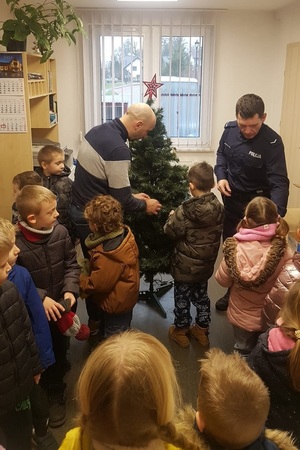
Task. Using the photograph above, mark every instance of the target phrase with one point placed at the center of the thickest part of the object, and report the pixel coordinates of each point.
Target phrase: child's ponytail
(282, 227)
(290, 316)
(294, 362)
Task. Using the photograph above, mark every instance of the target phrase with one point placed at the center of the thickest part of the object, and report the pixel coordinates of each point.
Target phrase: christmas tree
(155, 171)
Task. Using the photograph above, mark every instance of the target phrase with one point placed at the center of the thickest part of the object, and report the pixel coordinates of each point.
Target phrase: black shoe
(47, 442)
(67, 366)
(222, 303)
(57, 408)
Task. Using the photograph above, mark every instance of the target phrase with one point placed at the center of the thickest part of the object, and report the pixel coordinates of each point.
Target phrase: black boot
(222, 303)
(57, 406)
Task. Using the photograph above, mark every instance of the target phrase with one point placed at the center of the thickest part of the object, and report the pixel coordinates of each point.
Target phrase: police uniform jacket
(256, 166)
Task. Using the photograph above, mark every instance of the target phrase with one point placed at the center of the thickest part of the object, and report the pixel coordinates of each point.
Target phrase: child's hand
(82, 294)
(71, 297)
(37, 378)
(85, 266)
(52, 309)
(141, 196)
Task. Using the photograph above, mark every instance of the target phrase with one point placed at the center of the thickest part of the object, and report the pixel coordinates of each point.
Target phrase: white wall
(245, 61)
(249, 57)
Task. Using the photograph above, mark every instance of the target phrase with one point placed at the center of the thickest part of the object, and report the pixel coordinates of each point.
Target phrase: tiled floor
(150, 321)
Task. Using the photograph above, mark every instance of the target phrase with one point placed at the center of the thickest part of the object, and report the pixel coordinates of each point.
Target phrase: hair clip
(297, 334)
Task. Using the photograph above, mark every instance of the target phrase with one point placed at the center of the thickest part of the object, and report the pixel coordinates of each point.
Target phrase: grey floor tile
(149, 320)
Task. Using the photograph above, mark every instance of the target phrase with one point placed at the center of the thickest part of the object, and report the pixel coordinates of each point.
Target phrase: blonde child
(196, 228)
(233, 404)
(20, 366)
(127, 394)
(55, 176)
(253, 259)
(111, 283)
(23, 281)
(49, 256)
(276, 359)
(276, 297)
(29, 177)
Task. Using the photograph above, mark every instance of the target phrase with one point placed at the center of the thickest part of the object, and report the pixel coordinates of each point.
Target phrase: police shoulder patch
(230, 124)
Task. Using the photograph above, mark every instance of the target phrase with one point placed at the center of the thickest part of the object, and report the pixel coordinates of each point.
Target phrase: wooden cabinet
(42, 98)
(40, 114)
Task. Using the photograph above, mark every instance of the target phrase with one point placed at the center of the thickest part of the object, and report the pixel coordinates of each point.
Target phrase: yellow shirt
(76, 439)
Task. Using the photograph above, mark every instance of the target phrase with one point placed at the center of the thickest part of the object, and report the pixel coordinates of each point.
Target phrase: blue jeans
(184, 295)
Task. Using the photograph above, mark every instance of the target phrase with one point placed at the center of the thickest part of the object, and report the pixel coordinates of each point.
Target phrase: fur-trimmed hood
(252, 263)
(250, 270)
(185, 423)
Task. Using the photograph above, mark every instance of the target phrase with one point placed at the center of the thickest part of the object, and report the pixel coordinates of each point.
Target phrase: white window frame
(152, 33)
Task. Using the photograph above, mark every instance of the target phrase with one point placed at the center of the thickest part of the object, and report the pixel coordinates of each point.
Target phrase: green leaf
(47, 22)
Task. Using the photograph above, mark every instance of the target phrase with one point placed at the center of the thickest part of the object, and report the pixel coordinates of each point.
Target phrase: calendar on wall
(12, 94)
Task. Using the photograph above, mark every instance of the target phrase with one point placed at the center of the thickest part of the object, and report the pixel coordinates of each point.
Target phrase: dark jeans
(16, 430)
(235, 209)
(39, 409)
(81, 227)
(53, 377)
(109, 324)
(184, 295)
(245, 341)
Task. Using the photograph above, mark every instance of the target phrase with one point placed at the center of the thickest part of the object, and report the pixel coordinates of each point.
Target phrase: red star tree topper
(152, 87)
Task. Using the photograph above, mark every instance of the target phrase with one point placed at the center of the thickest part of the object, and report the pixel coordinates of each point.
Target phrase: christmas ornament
(152, 87)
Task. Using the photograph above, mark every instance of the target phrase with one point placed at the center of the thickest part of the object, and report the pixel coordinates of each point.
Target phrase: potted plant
(47, 22)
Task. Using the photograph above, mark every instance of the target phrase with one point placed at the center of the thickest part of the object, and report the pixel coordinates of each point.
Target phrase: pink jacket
(250, 268)
(274, 300)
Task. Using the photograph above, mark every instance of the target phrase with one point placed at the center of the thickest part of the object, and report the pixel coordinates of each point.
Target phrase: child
(276, 359)
(276, 297)
(22, 280)
(69, 324)
(20, 366)
(233, 405)
(196, 226)
(112, 282)
(253, 259)
(127, 394)
(19, 181)
(48, 254)
(55, 176)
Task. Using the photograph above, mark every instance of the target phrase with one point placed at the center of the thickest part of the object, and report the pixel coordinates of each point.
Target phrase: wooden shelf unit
(40, 89)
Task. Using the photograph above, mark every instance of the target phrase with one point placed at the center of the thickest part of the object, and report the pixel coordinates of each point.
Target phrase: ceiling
(251, 5)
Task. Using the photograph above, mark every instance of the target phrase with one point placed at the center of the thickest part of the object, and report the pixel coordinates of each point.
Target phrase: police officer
(250, 163)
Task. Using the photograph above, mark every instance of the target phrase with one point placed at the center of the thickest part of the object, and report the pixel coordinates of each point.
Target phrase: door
(290, 121)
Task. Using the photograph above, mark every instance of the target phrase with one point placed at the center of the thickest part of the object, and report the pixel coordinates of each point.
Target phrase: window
(126, 48)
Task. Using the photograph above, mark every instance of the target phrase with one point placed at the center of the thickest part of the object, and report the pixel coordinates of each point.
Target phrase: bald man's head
(138, 120)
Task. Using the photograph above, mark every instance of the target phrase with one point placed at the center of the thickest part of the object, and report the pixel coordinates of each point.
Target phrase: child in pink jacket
(253, 259)
(277, 296)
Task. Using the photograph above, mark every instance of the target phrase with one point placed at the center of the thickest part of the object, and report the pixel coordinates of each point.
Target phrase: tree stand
(152, 296)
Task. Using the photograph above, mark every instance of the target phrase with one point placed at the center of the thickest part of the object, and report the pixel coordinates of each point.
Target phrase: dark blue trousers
(184, 295)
